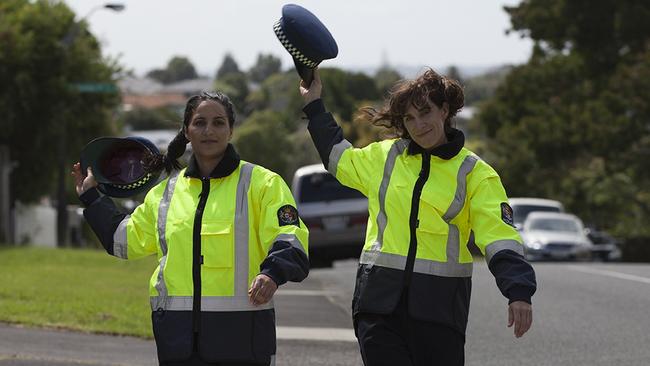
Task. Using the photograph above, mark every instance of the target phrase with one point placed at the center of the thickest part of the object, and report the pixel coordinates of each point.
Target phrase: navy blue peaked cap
(118, 165)
(306, 39)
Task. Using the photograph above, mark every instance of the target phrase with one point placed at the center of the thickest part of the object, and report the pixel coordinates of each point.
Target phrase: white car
(552, 235)
(335, 215)
(522, 206)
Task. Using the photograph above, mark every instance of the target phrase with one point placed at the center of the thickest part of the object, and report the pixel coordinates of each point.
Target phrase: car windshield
(555, 225)
(324, 187)
(521, 211)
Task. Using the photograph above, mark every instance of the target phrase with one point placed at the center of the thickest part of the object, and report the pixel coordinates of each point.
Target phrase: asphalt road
(592, 314)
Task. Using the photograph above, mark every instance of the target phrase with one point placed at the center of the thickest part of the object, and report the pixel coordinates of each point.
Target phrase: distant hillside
(411, 71)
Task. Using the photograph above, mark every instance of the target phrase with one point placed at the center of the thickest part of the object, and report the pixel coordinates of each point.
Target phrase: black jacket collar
(455, 142)
(226, 166)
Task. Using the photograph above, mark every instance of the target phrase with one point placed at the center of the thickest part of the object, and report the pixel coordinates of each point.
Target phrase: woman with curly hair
(426, 194)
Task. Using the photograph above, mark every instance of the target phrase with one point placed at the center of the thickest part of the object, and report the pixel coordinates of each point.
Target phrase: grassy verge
(85, 290)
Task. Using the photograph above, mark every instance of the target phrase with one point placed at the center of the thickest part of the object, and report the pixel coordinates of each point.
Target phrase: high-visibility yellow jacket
(422, 206)
(212, 236)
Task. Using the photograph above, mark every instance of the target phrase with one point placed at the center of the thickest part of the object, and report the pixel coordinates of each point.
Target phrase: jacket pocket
(442, 300)
(432, 244)
(173, 333)
(217, 243)
(239, 336)
(377, 289)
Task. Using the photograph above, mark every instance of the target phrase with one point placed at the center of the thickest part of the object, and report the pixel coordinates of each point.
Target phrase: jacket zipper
(196, 256)
(413, 220)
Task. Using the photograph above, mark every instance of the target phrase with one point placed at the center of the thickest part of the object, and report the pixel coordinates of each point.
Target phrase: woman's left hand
(520, 314)
(262, 290)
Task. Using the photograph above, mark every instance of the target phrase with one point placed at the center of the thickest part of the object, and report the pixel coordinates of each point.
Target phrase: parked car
(336, 215)
(553, 235)
(605, 247)
(522, 206)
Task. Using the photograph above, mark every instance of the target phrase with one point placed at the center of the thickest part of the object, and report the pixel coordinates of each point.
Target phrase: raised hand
(313, 91)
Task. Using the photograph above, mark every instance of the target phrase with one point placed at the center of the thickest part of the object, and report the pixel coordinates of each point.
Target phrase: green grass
(85, 290)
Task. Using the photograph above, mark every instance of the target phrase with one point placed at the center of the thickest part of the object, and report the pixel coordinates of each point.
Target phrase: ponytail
(168, 161)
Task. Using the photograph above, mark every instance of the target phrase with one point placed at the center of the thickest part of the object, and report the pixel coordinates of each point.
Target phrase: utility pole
(6, 219)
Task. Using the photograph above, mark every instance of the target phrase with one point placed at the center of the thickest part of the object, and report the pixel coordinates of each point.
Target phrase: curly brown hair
(429, 86)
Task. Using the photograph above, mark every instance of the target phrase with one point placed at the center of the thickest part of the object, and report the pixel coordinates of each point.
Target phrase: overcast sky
(467, 33)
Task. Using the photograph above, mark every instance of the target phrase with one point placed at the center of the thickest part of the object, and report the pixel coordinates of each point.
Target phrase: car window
(555, 225)
(521, 211)
(324, 187)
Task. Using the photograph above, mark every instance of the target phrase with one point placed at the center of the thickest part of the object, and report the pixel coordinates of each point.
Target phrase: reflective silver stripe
(499, 245)
(163, 210)
(461, 188)
(292, 239)
(453, 244)
(335, 155)
(241, 231)
(120, 245)
(209, 303)
(425, 266)
(443, 269)
(453, 238)
(382, 220)
(272, 360)
(388, 260)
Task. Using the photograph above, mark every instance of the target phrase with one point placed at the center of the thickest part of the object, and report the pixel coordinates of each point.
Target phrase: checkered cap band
(134, 185)
(277, 28)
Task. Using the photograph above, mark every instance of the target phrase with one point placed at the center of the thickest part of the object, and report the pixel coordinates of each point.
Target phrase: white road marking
(316, 334)
(604, 272)
(306, 292)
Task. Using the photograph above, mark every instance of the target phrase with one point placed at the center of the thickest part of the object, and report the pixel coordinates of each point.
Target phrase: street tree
(235, 85)
(265, 66)
(150, 118)
(263, 139)
(572, 123)
(454, 73)
(385, 79)
(48, 113)
(178, 68)
(228, 66)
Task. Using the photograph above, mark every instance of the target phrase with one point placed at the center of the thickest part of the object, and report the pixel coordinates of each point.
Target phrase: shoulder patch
(506, 214)
(288, 215)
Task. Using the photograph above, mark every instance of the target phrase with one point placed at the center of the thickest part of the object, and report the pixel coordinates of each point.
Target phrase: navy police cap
(118, 164)
(306, 39)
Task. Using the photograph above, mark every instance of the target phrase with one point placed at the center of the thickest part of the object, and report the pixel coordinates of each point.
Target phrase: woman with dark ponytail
(227, 234)
(426, 194)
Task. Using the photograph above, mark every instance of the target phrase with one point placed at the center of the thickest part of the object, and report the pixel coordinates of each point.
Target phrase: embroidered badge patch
(506, 214)
(288, 215)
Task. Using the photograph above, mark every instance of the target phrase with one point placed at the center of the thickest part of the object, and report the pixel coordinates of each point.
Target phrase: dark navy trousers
(398, 339)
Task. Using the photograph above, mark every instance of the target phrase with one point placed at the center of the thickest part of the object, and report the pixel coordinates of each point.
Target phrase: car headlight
(536, 245)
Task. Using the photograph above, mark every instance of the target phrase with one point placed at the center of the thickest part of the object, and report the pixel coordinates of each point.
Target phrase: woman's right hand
(81, 183)
(311, 92)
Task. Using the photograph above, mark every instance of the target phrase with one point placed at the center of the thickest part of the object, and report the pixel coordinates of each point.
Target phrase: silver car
(335, 215)
(557, 236)
(523, 206)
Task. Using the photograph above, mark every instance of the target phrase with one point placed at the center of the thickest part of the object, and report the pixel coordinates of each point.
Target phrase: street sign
(94, 87)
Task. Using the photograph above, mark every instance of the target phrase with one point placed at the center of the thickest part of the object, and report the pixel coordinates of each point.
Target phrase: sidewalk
(35, 347)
